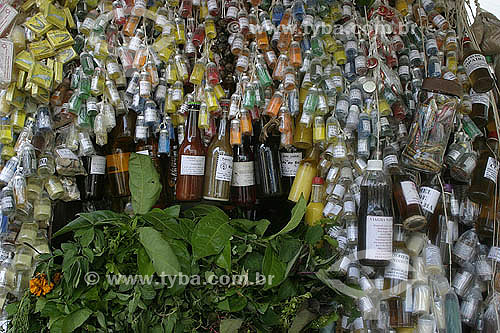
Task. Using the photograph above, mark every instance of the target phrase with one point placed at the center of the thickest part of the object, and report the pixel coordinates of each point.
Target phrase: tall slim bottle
(191, 160)
(119, 154)
(485, 174)
(290, 158)
(375, 217)
(306, 172)
(243, 189)
(92, 186)
(219, 165)
(268, 174)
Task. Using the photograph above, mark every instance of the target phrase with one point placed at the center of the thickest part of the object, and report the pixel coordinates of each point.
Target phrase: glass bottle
(118, 156)
(302, 184)
(396, 273)
(476, 68)
(219, 165)
(408, 202)
(430, 193)
(480, 105)
(465, 247)
(191, 160)
(268, 173)
(290, 158)
(375, 217)
(42, 209)
(314, 210)
(484, 177)
(93, 185)
(243, 188)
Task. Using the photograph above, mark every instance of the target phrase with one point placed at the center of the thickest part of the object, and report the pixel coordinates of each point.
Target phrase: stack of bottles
(375, 112)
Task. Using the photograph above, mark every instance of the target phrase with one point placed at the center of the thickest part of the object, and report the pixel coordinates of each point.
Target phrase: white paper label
(439, 20)
(379, 237)
(491, 171)
(192, 165)
(398, 267)
(339, 191)
(478, 98)
(463, 251)
(355, 94)
(454, 154)
(332, 131)
(98, 165)
(290, 163)
(141, 131)
(429, 198)
(494, 253)
(66, 153)
(384, 121)
(7, 15)
(473, 62)
(352, 232)
(404, 70)
(349, 206)
(224, 169)
(449, 76)
(243, 174)
(390, 159)
(7, 56)
(410, 193)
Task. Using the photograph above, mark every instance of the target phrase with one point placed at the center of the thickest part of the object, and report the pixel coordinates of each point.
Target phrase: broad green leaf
(237, 303)
(100, 319)
(224, 258)
(261, 226)
(182, 255)
(164, 260)
(84, 220)
(76, 224)
(298, 212)
(203, 210)
(162, 221)
(230, 325)
(292, 262)
(287, 248)
(144, 182)
(75, 319)
(314, 234)
(85, 235)
(144, 263)
(210, 235)
(272, 268)
(40, 304)
(303, 318)
(173, 211)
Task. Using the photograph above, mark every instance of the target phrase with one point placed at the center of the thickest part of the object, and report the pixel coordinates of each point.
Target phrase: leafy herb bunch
(121, 273)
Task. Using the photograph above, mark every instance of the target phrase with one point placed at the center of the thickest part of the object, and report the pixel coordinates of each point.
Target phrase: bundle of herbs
(190, 271)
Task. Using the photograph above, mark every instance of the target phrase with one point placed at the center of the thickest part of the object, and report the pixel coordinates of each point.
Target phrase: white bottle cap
(375, 165)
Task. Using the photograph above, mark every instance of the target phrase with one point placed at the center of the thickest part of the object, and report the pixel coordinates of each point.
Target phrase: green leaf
(173, 211)
(164, 260)
(287, 248)
(224, 258)
(162, 221)
(230, 325)
(203, 210)
(144, 182)
(144, 263)
(86, 236)
(273, 267)
(261, 226)
(85, 220)
(76, 224)
(210, 235)
(237, 303)
(40, 304)
(298, 212)
(100, 319)
(75, 319)
(303, 318)
(182, 255)
(314, 234)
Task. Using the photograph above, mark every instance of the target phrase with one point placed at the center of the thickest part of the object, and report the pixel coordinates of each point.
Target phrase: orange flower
(40, 286)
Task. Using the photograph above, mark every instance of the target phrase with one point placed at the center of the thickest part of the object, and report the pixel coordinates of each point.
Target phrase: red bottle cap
(493, 134)
(318, 181)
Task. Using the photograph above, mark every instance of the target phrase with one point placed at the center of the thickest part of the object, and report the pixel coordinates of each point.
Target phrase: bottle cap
(375, 165)
(318, 181)
(493, 134)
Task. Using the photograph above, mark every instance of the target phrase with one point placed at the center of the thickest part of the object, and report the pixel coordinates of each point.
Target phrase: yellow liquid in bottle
(314, 213)
(302, 184)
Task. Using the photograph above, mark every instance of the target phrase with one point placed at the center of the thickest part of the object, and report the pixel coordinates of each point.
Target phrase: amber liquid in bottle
(485, 174)
(408, 203)
(191, 161)
(219, 165)
(119, 154)
(477, 68)
(243, 188)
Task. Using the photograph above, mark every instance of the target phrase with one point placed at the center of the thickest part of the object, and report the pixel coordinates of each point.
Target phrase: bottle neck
(192, 125)
(316, 193)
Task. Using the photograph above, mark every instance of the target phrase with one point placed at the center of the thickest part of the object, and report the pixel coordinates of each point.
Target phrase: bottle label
(342, 106)
(414, 54)
(352, 232)
(358, 323)
(339, 191)
(483, 268)
(7, 203)
(410, 193)
(117, 162)
(429, 198)
(449, 76)
(478, 98)
(404, 70)
(192, 165)
(243, 174)
(113, 67)
(439, 21)
(474, 62)
(224, 170)
(66, 154)
(290, 163)
(454, 154)
(161, 20)
(98, 165)
(379, 240)
(491, 171)
(355, 94)
(463, 251)
(384, 121)
(390, 160)
(398, 267)
(494, 253)
(349, 207)
(141, 132)
(332, 131)
(339, 151)
(432, 256)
